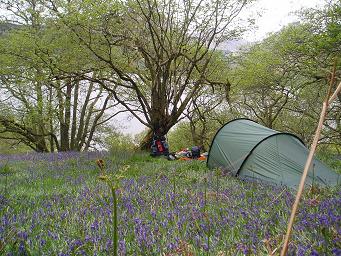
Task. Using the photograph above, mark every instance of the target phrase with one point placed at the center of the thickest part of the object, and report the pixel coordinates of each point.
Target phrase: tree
(314, 52)
(202, 115)
(282, 81)
(322, 49)
(42, 106)
(154, 56)
(265, 80)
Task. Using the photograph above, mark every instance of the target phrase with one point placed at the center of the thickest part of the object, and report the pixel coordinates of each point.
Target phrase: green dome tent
(248, 149)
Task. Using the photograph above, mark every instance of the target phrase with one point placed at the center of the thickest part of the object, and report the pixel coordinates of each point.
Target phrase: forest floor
(55, 204)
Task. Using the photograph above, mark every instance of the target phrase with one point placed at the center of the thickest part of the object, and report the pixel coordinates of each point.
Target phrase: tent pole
(329, 99)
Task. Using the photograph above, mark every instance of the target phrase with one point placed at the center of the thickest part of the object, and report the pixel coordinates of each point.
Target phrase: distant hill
(232, 45)
(4, 27)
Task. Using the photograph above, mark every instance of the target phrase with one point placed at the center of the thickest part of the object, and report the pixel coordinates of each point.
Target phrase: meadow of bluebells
(54, 204)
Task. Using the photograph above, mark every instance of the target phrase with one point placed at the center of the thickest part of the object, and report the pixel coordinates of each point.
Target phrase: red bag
(159, 146)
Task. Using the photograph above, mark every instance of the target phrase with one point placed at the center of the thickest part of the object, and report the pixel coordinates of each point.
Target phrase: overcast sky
(276, 14)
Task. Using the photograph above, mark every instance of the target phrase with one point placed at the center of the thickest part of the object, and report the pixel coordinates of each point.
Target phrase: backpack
(195, 152)
(159, 146)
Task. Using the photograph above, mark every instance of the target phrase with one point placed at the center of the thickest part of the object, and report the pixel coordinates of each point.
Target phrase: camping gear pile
(160, 147)
(188, 154)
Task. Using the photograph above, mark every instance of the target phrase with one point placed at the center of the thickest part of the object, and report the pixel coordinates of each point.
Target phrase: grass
(164, 207)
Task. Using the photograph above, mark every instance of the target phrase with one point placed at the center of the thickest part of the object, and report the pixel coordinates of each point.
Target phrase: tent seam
(260, 142)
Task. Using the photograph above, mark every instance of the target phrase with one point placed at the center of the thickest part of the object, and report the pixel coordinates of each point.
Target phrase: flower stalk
(113, 185)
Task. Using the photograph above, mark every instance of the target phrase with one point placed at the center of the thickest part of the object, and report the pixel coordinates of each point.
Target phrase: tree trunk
(74, 118)
(82, 116)
(50, 123)
(39, 119)
(67, 118)
(95, 123)
(62, 125)
(146, 143)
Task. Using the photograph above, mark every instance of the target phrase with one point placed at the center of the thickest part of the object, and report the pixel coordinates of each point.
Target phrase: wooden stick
(303, 178)
(329, 99)
(337, 91)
